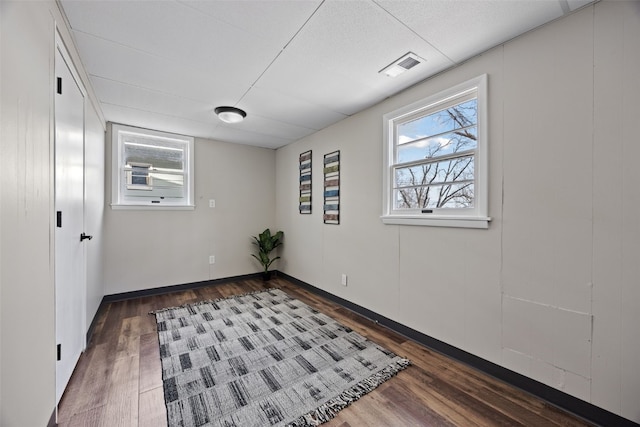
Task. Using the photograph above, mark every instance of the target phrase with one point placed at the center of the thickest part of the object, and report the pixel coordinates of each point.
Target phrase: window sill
(437, 221)
(153, 207)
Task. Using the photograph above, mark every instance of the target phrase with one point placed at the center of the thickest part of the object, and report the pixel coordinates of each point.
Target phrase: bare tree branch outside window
(436, 156)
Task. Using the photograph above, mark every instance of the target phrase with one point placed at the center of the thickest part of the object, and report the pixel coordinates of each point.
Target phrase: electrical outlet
(212, 203)
(344, 280)
(212, 259)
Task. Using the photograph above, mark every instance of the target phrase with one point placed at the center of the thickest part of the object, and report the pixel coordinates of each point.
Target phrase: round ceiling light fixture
(230, 114)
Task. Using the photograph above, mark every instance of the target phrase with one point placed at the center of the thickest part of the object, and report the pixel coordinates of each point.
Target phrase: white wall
(28, 361)
(1, 197)
(94, 163)
(550, 290)
(27, 335)
(148, 248)
(616, 208)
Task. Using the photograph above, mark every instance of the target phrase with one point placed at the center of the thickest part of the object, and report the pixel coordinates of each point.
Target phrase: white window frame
(474, 217)
(119, 200)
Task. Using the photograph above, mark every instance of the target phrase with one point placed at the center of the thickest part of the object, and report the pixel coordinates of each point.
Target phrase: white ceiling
(295, 66)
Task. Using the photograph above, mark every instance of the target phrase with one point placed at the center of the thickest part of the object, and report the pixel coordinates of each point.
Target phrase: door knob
(85, 237)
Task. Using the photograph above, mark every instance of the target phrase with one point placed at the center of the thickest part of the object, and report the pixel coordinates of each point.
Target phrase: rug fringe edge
(330, 409)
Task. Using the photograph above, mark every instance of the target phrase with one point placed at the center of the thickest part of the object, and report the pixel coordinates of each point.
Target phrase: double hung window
(435, 162)
(151, 168)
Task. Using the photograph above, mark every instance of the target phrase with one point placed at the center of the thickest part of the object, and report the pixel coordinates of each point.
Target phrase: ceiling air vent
(402, 64)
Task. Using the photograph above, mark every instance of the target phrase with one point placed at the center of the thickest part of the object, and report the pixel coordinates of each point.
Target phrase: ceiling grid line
(280, 52)
(412, 30)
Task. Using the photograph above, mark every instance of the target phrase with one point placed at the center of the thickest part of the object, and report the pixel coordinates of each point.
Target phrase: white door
(70, 282)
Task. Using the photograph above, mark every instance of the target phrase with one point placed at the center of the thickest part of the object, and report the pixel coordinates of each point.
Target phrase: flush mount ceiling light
(230, 114)
(402, 64)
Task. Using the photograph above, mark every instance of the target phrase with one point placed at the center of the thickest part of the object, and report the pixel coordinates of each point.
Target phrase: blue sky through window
(440, 148)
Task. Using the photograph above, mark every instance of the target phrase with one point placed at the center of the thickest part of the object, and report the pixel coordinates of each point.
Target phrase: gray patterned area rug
(263, 359)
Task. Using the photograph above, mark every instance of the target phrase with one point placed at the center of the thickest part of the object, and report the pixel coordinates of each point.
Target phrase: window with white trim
(151, 169)
(435, 159)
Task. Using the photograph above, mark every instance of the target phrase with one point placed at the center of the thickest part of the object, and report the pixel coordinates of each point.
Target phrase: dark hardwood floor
(118, 379)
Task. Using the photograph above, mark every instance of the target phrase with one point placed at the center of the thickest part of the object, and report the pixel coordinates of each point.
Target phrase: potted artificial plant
(266, 242)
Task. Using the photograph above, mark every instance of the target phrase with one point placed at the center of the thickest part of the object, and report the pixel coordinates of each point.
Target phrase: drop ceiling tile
(296, 66)
(288, 109)
(156, 121)
(357, 39)
(116, 93)
(335, 60)
(171, 30)
(309, 80)
(277, 21)
(240, 136)
(313, 83)
(462, 29)
(115, 62)
(258, 124)
(217, 131)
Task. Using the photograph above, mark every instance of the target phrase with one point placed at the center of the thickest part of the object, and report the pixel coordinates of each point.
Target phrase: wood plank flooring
(118, 380)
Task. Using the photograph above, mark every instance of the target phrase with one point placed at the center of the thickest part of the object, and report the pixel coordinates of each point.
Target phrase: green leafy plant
(266, 242)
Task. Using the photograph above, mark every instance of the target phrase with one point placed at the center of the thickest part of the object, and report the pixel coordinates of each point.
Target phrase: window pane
(436, 196)
(444, 121)
(170, 184)
(139, 175)
(154, 167)
(416, 175)
(453, 170)
(151, 168)
(454, 142)
(156, 184)
(158, 156)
